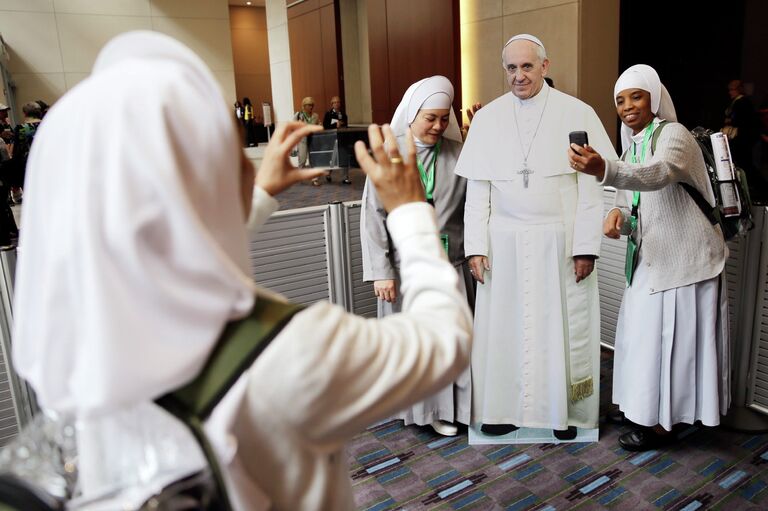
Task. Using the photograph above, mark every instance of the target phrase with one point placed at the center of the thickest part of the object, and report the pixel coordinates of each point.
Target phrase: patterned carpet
(303, 195)
(412, 468)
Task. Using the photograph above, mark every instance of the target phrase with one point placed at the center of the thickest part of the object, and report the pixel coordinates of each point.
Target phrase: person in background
(424, 115)
(532, 234)
(335, 117)
(248, 121)
(23, 136)
(307, 116)
(6, 130)
(123, 294)
(672, 356)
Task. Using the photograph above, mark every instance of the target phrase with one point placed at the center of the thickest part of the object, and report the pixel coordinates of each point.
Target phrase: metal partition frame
(290, 255)
(757, 373)
(17, 403)
(610, 279)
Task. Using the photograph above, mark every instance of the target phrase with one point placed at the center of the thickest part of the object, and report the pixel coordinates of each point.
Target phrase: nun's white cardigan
(679, 245)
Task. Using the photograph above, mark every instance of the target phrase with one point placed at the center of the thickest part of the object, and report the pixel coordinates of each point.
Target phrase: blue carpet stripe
(764, 455)
(753, 442)
(693, 506)
(443, 441)
(751, 491)
(528, 471)
(500, 453)
(594, 484)
(467, 500)
(372, 456)
(548, 508)
(713, 467)
(466, 483)
(387, 431)
(642, 458)
(575, 448)
(659, 467)
(666, 498)
(454, 449)
(523, 503)
(442, 479)
(611, 495)
(381, 506)
(392, 476)
(513, 462)
(732, 479)
(579, 474)
(383, 465)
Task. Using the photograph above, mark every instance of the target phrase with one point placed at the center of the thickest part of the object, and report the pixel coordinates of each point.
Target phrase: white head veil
(133, 248)
(644, 77)
(433, 92)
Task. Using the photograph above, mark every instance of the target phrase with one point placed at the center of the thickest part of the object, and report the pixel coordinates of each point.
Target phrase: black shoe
(615, 416)
(347, 182)
(565, 434)
(328, 177)
(645, 439)
(497, 429)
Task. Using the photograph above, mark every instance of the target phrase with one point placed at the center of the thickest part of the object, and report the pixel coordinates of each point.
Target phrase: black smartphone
(579, 138)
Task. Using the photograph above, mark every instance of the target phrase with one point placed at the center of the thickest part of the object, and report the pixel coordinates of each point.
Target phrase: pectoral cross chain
(525, 172)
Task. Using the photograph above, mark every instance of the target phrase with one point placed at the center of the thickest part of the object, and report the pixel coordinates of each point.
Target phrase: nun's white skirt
(671, 359)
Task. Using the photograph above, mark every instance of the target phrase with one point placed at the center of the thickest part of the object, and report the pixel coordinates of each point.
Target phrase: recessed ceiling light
(247, 3)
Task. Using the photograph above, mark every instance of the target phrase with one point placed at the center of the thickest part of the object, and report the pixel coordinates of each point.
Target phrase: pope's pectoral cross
(525, 172)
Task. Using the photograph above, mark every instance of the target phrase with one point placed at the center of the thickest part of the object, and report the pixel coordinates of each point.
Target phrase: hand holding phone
(579, 138)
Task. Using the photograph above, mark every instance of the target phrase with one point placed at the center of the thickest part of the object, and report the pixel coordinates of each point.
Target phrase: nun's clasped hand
(396, 177)
(585, 159)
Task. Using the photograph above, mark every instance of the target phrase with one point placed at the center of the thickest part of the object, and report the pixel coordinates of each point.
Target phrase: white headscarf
(435, 92)
(133, 249)
(644, 77)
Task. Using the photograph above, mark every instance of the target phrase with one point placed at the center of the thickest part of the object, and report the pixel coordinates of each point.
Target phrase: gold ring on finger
(396, 160)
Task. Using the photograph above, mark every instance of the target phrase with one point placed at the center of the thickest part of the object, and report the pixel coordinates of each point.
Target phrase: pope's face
(634, 108)
(430, 124)
(525, 70)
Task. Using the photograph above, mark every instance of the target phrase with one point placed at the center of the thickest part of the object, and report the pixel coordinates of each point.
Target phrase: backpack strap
(241, 342)
(712, 214)
(656, 135)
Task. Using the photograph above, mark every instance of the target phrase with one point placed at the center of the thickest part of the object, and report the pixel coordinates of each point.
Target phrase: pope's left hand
(585, 159)
(583, 266)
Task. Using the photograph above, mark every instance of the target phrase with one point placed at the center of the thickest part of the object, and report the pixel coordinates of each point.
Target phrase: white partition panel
(757, 382)
(289, 255)
(363, 300)
(610, 278)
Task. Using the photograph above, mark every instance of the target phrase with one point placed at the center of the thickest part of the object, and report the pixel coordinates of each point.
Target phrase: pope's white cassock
(535, 358)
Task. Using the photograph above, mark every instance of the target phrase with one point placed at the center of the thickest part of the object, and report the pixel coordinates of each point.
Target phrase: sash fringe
(582, 389)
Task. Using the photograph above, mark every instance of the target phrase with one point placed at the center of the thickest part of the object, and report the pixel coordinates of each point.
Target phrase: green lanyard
(636, 195)
(428, 175)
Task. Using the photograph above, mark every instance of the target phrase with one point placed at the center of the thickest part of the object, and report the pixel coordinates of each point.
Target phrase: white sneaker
(445, 428)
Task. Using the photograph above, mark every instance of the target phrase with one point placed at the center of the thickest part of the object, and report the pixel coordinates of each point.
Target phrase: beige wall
(357, 73)
(53, 43)
(250, 53)
(279, 60)
(571, 30)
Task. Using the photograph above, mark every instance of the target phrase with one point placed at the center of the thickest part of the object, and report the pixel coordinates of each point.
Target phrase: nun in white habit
(426, 108)
(122, 294)
(671, 361)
